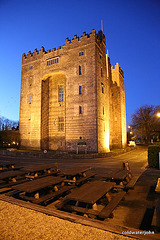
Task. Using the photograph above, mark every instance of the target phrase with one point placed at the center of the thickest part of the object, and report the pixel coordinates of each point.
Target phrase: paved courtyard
(133, 211)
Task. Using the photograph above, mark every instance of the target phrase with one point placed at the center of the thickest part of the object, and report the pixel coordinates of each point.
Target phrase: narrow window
(60, 94)
(80, 70)
(80, 89)
(60, 124)
(30, 100)
(30, 81)
(80, 109)
(101, 72)
(103, 110)
(102, 85)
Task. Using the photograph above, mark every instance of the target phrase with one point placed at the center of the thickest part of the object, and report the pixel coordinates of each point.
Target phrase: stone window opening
(30, 81)
(80, 70)
(60, 94)
(81, 53)
(53, 61)
(80, 90)
(103, 110)
(60, 124)
(30, 100)
(101, 72)
(80, 109)
(102, 87)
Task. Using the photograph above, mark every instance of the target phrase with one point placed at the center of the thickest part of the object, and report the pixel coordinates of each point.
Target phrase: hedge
(153, 156)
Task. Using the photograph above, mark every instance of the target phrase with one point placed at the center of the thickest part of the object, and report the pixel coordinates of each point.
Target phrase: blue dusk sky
(131, 27)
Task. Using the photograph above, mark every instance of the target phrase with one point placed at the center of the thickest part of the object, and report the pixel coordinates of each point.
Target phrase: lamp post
(158, 116)
(130, 133)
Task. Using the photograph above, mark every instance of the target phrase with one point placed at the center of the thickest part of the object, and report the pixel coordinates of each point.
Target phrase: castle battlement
(99, 38)
(118, 68)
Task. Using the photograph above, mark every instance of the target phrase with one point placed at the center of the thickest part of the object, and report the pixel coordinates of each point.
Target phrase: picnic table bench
(9, 178)
(41, 169)
(48, 197)
(119, 175)
(91, 192)
(10, 174)
(6, 164)
(106, 212)
(84, 179)
(132, 182)
(38, 184)
(157, 189)
(156, 216)
(40, 190)
(83, 199)
(75, 172)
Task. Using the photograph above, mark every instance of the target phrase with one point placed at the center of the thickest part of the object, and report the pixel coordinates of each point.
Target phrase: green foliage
(153, 155)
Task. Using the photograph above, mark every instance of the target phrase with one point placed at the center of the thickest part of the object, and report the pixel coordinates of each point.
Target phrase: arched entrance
(53, 112)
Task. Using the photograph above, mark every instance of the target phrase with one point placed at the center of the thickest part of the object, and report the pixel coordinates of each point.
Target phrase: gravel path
(17, 223)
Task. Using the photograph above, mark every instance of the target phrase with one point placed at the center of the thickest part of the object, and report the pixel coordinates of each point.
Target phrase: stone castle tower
(72, 98)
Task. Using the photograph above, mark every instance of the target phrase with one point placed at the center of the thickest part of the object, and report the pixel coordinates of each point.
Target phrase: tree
(8, 131)
(144, 121)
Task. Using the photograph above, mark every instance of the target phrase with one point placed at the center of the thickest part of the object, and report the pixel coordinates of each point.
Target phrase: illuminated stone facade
(72, 99)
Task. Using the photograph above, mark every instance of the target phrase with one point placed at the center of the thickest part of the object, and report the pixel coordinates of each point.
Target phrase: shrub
(153, 156)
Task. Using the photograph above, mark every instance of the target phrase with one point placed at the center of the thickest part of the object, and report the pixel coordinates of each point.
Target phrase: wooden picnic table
(119, 175)
(38, 184)
(157, 189)
(10, 174)
(7, 164)
(91, 192)
(75, 171)
(37, 168)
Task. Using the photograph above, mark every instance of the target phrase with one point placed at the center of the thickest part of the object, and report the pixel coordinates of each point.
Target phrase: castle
(72, 99)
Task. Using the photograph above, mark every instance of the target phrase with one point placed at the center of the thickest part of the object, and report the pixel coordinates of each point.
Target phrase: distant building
(72, 98)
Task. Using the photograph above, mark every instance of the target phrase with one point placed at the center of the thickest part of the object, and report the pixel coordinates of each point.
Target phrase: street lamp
(158, 114)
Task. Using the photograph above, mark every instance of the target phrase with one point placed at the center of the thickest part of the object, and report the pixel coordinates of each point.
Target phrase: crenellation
(67, 41)
(84, 34)
(85, 38)
(42, 50)
(35, 53)
(75, 38)
(29, 54)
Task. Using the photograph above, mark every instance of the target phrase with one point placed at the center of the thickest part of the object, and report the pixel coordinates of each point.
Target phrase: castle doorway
(53, 109)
